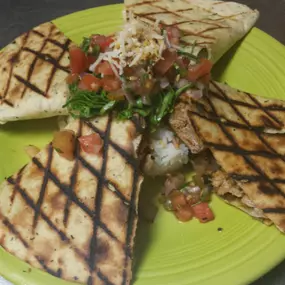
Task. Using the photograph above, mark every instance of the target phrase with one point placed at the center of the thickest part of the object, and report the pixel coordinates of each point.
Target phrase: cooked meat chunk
(182, 126)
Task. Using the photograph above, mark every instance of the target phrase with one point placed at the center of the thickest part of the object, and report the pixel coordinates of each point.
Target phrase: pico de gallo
(187, 200)
(142, 69)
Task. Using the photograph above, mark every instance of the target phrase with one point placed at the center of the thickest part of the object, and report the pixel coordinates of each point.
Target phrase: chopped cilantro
(96, 50)
(85, 44)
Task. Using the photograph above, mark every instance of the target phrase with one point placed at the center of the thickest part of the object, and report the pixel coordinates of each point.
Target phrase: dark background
(18, 16)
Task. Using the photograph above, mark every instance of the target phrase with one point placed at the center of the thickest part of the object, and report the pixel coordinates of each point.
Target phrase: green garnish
(188, 55)
(84, 103)
(96, 50)
(109, 106)
(85, 44)
(166, 104)
(183, 89)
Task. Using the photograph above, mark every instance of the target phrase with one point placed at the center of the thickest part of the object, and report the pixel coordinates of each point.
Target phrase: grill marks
(17, 234)
(106, 182)
(71, 197)
(29, 85)
(44, 187)
(254, 178)
(54, 68)
(258, 135)
(29, 201)
(48, 58)
(129, 158)
(39, 55)
(73, 178)
(13, 230)
(266, 185)
(11, 73)
(31, 70)
(178, 14)
(273, 117)
(274, 210)
(245, 104)
(242, 151)
(98, 199)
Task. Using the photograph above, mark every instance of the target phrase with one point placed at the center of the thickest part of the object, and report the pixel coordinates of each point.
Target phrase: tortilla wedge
(246, 136)
(77, 219)
(33, 72)
(214, 25)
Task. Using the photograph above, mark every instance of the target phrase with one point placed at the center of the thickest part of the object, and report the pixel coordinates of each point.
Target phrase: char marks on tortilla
(76, 219)
(246, 136)
(33, 72)
(215, 25)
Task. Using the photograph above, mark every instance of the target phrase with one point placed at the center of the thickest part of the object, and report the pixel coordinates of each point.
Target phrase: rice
(168, 153)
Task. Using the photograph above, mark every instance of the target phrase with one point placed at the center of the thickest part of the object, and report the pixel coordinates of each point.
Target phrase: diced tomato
(72, 78)
(91, 59)
(163, 65)
(102, 41)
(64, 143)
(111, 83)
(203, 212)
(104, 68)
(78, 60)
(184, 214)
(173, 34)
(91, 144)
(205, 79)
(199, 70)
(90, 82)
(177, 199)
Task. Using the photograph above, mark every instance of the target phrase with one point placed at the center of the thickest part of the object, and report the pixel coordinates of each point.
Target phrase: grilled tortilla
(33, 72)
(214, 25)
(246, 136)
(77, 219)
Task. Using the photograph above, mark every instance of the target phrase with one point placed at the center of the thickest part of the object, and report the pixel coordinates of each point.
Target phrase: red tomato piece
(90, 82)
(199, 70)
(111, 83)
(72, 78)
(163, 65)
(205, 79)
(104, 68)
(103, 41)
(91, 144)
(78, 60)
(203, 212)
(173, 34)
(91, 59)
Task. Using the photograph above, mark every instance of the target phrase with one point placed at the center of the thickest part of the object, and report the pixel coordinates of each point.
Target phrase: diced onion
(195, 94)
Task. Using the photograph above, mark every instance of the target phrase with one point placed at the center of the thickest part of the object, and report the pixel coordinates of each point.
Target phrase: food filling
(140, 70)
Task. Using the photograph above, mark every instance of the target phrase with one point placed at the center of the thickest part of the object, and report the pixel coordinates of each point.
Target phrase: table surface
(18, 16)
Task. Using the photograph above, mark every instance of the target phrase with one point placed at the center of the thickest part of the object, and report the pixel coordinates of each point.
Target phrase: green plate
(169, 252)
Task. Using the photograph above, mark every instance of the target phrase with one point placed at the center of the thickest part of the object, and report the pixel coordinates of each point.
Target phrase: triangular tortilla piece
(215, 25)
(246, 135)
(76, 219)
(33, 72)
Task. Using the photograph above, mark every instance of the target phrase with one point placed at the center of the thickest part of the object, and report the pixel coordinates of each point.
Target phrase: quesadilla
(212, 25)
(246, 136)
(33, 72)
(76, 219)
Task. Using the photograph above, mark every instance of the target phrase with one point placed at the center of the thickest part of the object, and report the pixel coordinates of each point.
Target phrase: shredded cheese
(135, 43)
